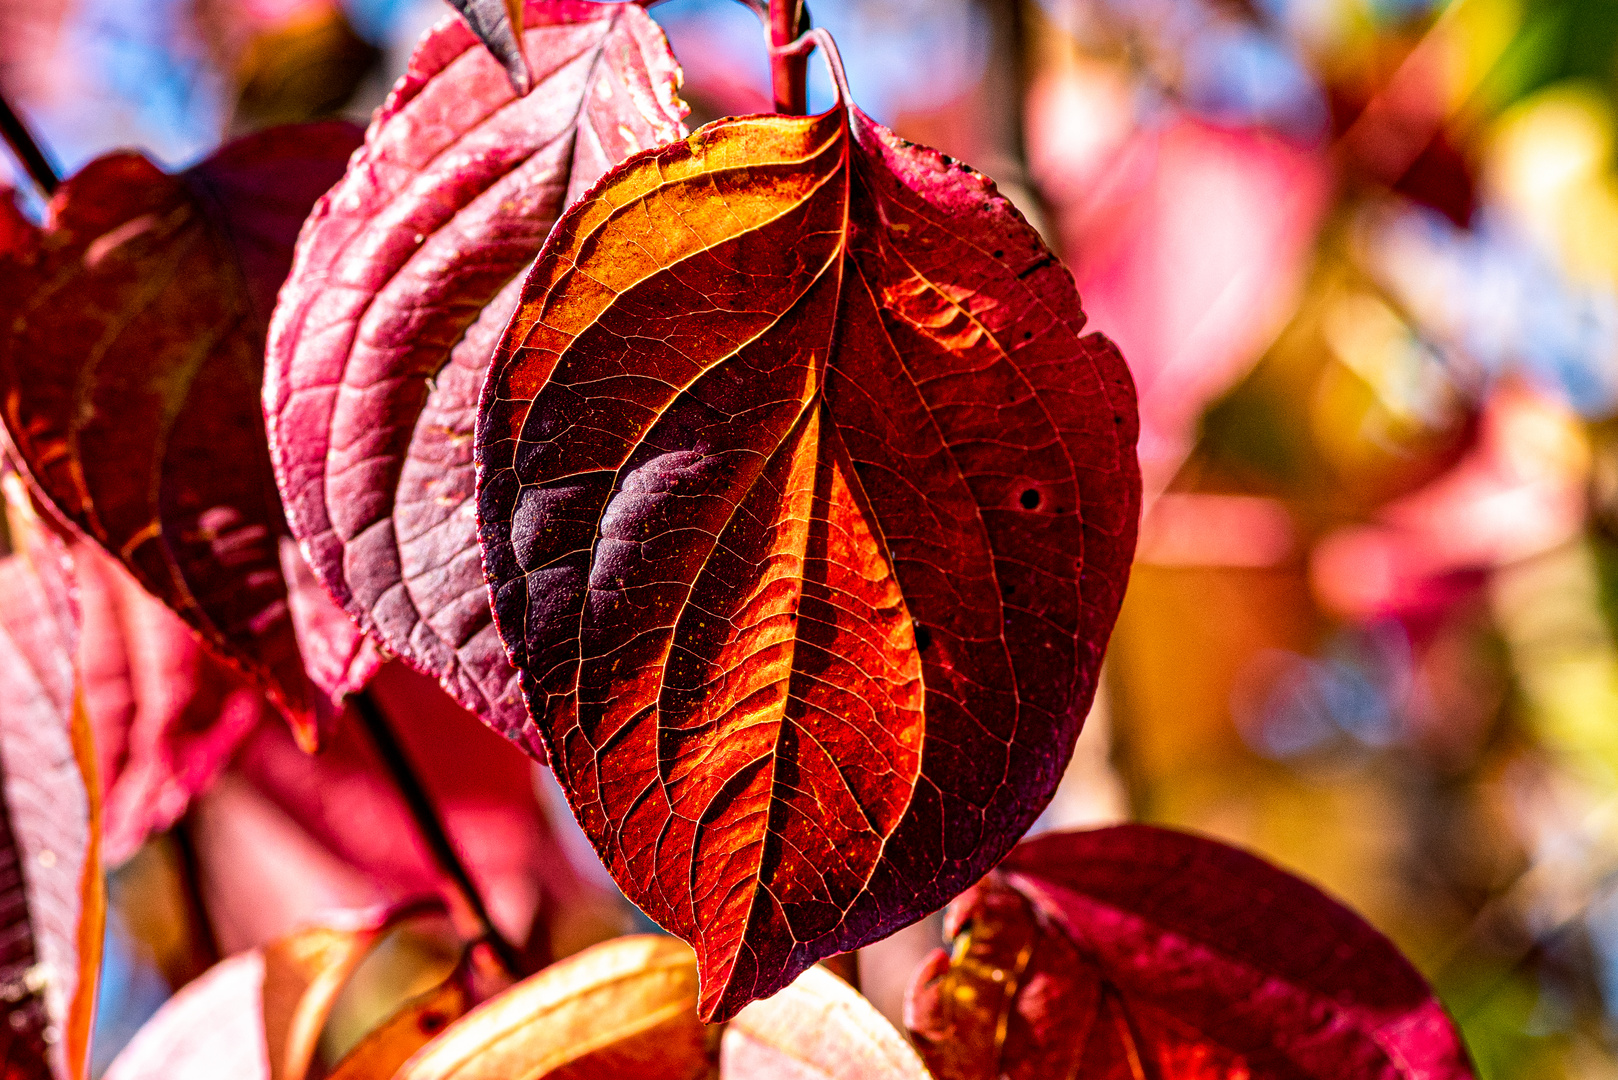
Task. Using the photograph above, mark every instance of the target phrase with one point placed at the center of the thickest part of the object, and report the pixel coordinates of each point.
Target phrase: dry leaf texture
(397, 299)
(52, 906)
(1135, 951)
(131, 347)
(807, 512)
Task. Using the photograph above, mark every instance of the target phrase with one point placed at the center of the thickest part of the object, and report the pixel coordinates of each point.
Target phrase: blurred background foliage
(1362, 256)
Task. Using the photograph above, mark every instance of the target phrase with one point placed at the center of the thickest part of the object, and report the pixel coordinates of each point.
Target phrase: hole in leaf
(1029, 499)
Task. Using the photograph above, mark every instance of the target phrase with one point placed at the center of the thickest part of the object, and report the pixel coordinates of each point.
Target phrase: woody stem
(789, 74)
(431, 827)
(28, 151)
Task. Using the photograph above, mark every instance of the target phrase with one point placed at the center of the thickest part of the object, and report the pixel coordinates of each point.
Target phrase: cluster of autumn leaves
(759, 480)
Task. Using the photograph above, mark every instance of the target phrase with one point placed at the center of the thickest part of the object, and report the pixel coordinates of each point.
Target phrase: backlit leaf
(807, 512)
(1136, 951)
(819, 1028)
(626, 1007)
(52, 901)
(380, 1054)
(398, 296)
(303, 974)
(131, 338)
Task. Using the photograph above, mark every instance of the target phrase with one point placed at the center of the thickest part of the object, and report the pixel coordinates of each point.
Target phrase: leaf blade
(398, 294)
(51, 820)
(1088, 949)
(817, 1027)
(173, 271)
(624, 1007)
(755, 460)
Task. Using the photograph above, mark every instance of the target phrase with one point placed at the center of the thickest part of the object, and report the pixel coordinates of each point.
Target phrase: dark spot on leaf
(1029, 499)
(433, 1023)
(1046, 260)
(1027, 335)
(999, 254)
(924, 638)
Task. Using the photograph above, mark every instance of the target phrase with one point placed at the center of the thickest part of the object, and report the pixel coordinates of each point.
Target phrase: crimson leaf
(807, 512)
(1137, 951)
(395, 303)
(131, 336)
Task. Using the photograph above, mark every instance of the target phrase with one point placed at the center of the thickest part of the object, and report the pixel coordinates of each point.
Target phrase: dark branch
(431, 827)
(28, 151)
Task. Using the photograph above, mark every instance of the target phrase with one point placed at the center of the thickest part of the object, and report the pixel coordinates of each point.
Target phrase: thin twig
(431, 827)
(201, 925)
(28, 151)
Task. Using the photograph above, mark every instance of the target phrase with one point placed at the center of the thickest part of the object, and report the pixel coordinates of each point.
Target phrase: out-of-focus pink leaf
(1519, 492)
(131, 335)
(1189, 245)
(167, 716)
(344, 803)
(398, 296)
(819, 1028)
(1137, 951)
(52, 903)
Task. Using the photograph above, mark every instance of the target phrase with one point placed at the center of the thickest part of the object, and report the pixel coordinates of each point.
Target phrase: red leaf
(130, 364)
(52, 903)
(386, 327)
(807, 513)
(1136, 951)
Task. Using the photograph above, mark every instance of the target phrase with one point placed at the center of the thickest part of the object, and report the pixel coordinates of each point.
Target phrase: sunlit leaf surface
(807, 512)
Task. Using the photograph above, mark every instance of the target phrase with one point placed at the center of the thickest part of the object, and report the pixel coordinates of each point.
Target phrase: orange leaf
(257, 1014)
(807, 509)
(303, 974)
(380, 1054)
(626, 1007)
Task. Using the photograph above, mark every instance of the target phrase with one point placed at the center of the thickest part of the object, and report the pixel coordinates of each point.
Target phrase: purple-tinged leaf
(406, 274)
(131, 338)
(1136, 951)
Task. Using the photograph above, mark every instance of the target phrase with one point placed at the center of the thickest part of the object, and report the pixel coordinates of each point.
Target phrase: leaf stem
(432, 830)
(789, 72)
(28, 151)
